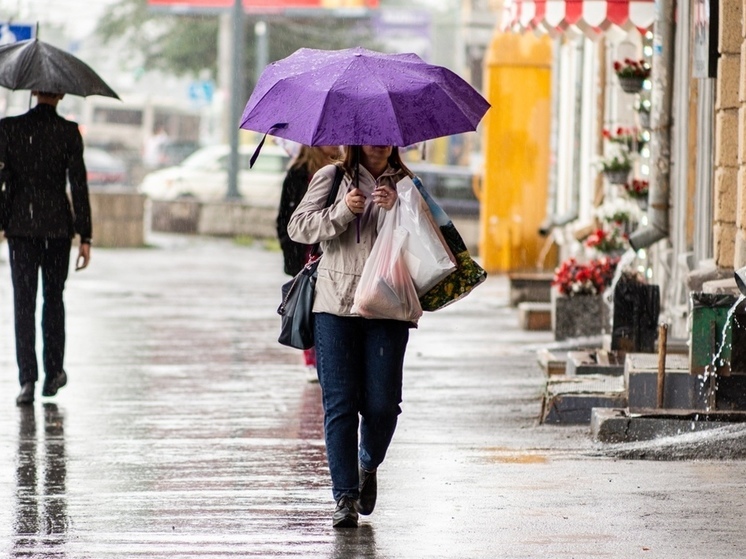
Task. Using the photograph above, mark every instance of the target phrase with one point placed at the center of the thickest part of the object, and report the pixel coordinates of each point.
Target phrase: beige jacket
(334, 227)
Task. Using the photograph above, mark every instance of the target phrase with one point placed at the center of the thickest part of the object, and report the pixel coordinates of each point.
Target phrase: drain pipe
(662, 104)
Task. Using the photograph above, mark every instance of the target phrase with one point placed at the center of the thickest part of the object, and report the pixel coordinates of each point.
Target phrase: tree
(187, 44)
(180, 45)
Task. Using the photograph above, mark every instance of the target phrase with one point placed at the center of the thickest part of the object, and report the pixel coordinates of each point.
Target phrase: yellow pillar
(516, 152)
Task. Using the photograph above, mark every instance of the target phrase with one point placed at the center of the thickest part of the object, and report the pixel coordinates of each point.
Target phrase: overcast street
(187, 431)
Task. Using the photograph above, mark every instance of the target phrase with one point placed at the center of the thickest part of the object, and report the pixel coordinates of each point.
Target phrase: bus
(124, 129)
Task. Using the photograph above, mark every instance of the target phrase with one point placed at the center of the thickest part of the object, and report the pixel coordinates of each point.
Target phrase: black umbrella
(38, 66)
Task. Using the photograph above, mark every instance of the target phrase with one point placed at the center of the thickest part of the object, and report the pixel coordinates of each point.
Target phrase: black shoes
(27, 394)
(345, 515)
(50, 388)
(368, 491)
(53, 384)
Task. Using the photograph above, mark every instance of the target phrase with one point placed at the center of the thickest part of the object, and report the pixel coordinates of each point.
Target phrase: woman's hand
(355, 200)
(384, 197)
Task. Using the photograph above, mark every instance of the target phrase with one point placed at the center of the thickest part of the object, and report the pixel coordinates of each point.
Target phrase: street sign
(200, 92)
(12, 32)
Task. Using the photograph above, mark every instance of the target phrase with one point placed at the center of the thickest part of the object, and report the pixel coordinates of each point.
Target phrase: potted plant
(632, 74)
(573, 278)
(617, 168)
(633, 139)
(577, 308)
(638, 190)
(610, 240)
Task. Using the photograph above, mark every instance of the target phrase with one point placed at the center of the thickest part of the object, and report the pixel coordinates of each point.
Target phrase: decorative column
(728, 138)
(733, 36)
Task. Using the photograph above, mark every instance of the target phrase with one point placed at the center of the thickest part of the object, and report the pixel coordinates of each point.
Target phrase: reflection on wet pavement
(187, 431)
(40, 527)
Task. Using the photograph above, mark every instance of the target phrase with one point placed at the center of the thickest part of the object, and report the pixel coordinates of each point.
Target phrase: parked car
(174, 152)
(204, 176)
(452, 187)
(103, 168)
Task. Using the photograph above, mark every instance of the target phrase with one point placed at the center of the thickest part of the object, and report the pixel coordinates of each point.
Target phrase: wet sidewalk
(187, 431)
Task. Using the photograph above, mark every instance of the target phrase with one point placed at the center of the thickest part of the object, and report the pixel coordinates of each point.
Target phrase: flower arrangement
(607, 240)
(573, 278)
(616, 163)
(629, 68)
(637, 189)
(618, 211)
(632, 138)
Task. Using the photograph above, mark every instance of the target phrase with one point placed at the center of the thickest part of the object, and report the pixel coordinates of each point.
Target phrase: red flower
(632, 68)
(573, 278)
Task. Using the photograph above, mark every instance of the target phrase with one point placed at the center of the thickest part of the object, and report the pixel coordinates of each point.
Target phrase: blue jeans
(359, 363)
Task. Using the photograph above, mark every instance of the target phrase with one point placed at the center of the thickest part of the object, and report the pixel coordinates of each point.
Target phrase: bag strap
(339, 174)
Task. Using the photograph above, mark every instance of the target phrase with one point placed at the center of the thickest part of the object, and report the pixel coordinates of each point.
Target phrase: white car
(204, 176)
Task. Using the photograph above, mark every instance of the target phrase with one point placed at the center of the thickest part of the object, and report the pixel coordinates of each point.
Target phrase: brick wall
(730, 139)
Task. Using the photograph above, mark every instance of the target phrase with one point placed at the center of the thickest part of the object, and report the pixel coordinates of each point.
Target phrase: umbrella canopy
(361, 97)
(38, 66)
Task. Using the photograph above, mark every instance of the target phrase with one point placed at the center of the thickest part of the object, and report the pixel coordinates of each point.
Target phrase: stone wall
(728, 133)
(730, 139)
(118, 218)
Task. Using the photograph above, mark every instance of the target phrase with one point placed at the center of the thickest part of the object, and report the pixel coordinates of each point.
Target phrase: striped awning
(590, 16)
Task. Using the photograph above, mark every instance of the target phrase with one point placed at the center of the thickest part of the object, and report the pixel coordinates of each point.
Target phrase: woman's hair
(352, 159)
(312, 158)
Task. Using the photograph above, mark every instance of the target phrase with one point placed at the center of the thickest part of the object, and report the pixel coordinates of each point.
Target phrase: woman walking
(359, 360)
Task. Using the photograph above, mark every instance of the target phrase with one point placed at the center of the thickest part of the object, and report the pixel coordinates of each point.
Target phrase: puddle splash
(708, 384)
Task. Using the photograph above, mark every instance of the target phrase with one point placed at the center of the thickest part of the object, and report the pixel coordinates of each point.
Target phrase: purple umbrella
(361, 97)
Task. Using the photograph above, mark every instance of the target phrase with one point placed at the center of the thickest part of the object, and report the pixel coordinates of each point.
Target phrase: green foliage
(181, 45)
(188, 44)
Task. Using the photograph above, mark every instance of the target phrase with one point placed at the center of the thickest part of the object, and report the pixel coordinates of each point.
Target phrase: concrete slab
(595, 362)
(569, 400)
(535, 315)
(552, 363)
(682, 390)
(609, 425)
(530, 287)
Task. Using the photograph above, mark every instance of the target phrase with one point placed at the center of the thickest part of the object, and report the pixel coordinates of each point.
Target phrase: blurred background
(171, 63)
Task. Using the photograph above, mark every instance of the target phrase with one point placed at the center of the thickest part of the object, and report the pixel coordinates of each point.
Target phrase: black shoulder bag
(297, 294)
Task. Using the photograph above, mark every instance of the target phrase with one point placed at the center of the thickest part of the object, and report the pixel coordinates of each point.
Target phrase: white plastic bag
(425, 252)
(386, 289)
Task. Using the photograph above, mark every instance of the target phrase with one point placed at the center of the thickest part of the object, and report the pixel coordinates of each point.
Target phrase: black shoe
(27, 394)
(345, 515)
(368, 491)
(53, 384)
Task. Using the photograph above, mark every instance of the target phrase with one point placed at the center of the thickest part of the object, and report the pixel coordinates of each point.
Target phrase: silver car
(204, 176)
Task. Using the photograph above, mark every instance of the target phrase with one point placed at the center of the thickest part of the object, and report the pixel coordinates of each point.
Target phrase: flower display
(618, 211)
(573, 278)
(607, 240)
(629, 68)
(637, 188)
(631, 138)
(616, 163)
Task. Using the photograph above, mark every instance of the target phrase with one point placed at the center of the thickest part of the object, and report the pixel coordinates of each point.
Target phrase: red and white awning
(591, 16)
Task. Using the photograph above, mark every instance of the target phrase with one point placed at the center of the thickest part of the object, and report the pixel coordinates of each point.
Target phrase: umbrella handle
(357, 185)
(259, 147)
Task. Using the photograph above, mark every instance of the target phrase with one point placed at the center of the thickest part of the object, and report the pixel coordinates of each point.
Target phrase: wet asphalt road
(187, 431)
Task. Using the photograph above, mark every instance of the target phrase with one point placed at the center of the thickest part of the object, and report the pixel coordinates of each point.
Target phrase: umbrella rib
(396, 116)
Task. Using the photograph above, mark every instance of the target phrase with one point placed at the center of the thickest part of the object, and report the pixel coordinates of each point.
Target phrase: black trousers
(28, 256)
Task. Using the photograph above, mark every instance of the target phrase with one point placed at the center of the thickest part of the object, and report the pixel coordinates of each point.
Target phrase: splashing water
(624, 262)
(709, 376)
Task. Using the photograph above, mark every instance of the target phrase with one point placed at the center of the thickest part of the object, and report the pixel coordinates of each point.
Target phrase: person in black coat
(39, 153)
(309, 160)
